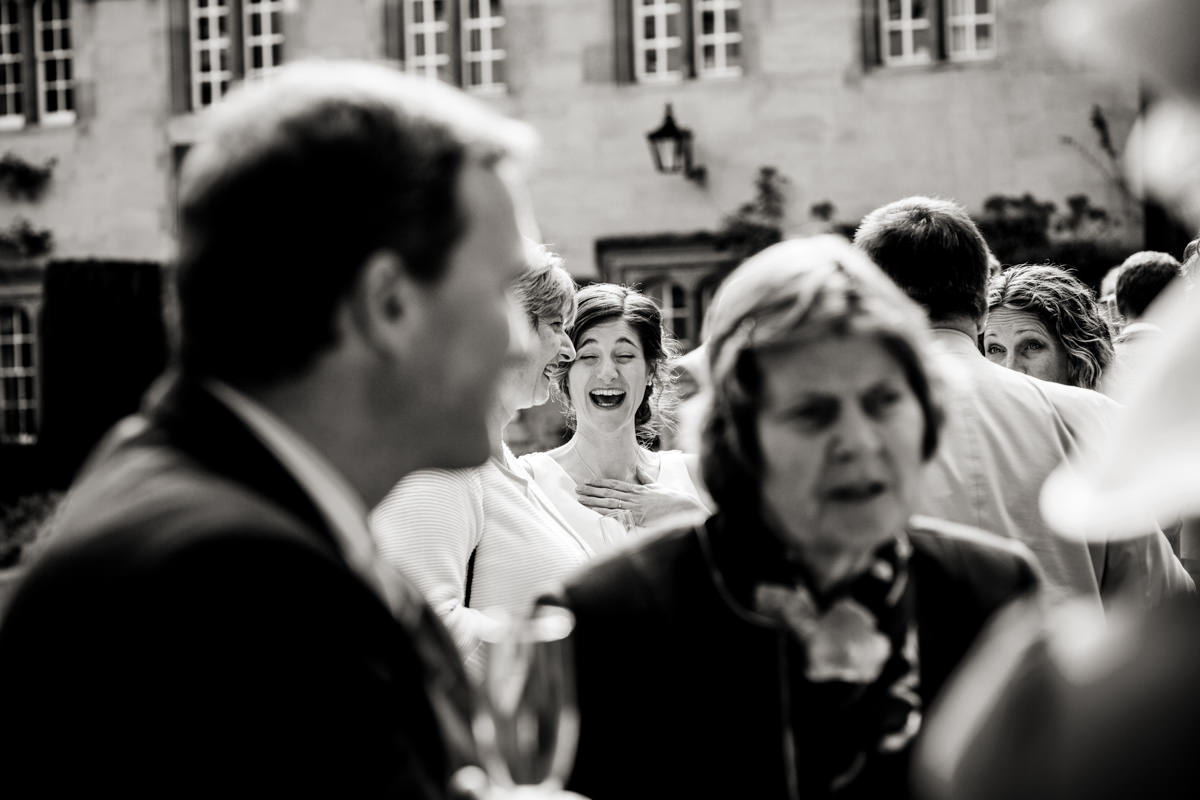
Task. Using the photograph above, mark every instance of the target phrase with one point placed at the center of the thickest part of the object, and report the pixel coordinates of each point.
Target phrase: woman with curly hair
(1044, 322)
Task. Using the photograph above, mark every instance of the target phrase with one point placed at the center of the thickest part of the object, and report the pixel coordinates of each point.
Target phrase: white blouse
(605, 532)
(433, 520)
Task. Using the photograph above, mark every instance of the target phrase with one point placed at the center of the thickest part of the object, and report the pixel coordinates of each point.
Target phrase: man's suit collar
(207, 430)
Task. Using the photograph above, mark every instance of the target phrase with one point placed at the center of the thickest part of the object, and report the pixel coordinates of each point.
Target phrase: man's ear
(383, 299)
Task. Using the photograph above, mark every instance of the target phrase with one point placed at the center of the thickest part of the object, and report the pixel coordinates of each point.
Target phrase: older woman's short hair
(545, 289)
(1066, 307)
(598, 303)
(795, 292)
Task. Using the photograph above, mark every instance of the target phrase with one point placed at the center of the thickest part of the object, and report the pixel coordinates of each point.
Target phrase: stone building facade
(854, 102)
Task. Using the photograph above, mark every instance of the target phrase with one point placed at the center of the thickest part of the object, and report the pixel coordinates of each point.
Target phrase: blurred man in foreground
(212, 618)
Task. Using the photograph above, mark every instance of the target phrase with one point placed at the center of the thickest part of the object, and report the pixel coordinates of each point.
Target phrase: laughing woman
(605, 480)
(485, 538)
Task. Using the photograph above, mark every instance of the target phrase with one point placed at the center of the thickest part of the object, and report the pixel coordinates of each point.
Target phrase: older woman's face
(840, 432)
(1018, 340)
(607, 380)
(527, 383)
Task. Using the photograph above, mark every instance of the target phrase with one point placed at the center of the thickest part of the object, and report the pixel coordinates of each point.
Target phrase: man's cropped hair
(932, 249)
(1143, 277)
(295, 181)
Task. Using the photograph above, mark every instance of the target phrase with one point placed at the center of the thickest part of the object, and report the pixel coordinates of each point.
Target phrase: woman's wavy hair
(796, 292)
(598, 303)
(545, 288)
(1067, 307)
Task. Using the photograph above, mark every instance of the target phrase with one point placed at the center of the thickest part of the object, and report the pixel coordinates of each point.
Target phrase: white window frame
(216, 45)
(65, 114)
(267, 39)
(427, 29)
(906, 25)
(719, 39)
(962, 14)
(12, 89)
(660, 10)
(20, 373)
(488, 55)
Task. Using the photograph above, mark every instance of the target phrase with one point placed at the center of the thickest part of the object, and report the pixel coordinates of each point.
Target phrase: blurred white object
(1149, 469)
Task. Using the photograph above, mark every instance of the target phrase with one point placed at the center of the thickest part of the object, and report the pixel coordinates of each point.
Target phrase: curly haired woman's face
(1018, 340)
(607, 379)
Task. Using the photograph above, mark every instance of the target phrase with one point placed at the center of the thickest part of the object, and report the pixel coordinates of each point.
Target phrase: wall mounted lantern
(671, 149)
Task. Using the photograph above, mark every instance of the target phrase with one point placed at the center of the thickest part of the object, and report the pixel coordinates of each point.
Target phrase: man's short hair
(932, 249)
(1143, 277)
(295, 182)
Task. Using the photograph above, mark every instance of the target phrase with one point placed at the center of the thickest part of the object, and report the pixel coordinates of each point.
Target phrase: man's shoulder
(981, 557)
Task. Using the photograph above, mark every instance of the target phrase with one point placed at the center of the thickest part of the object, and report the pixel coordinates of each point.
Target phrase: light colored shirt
(1004, 433)
(605, 532)
(432, 521)
(1138, 342)
(340, 505)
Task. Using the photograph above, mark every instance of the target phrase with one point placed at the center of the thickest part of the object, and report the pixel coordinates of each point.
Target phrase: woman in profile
(790, 645)
(486, 537)
(1044, 322)
(606, 480)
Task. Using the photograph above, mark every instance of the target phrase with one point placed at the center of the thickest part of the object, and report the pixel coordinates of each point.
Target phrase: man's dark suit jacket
(681, 696)
(194, 630)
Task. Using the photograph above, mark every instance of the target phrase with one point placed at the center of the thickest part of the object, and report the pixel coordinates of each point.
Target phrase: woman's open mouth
(606, 398)
(856, 492)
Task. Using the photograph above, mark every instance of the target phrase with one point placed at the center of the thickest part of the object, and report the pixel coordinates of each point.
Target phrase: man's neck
(326, 415)
(961, 323)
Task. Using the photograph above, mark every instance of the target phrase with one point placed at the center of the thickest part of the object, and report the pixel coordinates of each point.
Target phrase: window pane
(27, 360)
(709, 56)
(895, 44)
(731, 21)
(419, 46)
(920, 9)
(202, 29)
(674, 59)
(473, 9)
(276, 54)
(206, 61)
(10, 391)
(14, 42)
(895, 10)
(983, 6)
(475, 73)
(51, 70)
(958, 7)
(496, 10)
(69, 99)
(651, 61)
(733, 54)
(8, 355)
(439, 42)
(223, 60)
(672, 24)
(476, 41)
(419, 11)
(222, 25)
(983, 37)
(498, 38)
(64, 38)
(921, 41)
(498, 71)
(66, 70)
(708, 22)
(256, 24)
(439, 10)
(256, 57)
(205, 93)
(648, 30)
(958, 39)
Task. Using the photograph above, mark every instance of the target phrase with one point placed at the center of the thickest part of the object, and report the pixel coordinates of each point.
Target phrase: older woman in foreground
(1045, 322)
(789, 646)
